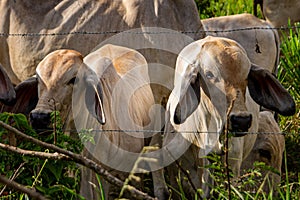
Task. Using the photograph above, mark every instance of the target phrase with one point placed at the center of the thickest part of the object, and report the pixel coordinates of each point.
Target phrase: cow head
(219, 69)
(56, 75)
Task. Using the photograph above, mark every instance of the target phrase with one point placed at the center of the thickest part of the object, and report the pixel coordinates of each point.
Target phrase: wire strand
(3, 34)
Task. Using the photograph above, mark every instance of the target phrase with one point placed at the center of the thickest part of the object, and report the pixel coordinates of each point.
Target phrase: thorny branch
(81, 160)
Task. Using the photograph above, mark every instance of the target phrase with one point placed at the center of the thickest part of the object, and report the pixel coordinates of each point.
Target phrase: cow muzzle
(239, 124)
(40, 120)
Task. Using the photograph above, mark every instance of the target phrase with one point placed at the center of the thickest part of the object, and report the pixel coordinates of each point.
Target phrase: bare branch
(81, 160)
(44, 155)
(22, 188)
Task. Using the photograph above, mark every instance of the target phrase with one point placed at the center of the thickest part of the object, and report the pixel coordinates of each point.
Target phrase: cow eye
(209, 75)
(72, 81)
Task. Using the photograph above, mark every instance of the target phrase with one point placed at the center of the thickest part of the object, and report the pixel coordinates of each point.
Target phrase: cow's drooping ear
(267, 91)
(26, 97)
(189, 99)
(7, 92)
(94, 97)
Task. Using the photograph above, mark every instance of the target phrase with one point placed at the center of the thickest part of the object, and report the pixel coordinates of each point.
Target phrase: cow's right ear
(189, 98)
(7, 92)
(267, 91)
(94, 97)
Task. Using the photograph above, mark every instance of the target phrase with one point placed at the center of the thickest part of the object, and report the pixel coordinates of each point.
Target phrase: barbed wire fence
(2, 34)
(216, 31)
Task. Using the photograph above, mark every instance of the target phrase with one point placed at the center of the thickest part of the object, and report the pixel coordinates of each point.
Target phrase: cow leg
(159, 183)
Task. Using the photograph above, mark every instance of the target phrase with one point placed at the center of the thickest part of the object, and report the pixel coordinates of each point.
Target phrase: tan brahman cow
(262, 44)
(107, 90)
(268, 148)
(214, 78)
(278, 12)
(82, 25)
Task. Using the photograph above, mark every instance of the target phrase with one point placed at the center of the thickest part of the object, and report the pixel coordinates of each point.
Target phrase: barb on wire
(4, 34)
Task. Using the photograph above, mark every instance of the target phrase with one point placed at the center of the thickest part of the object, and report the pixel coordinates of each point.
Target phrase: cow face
(56, 75)
(219, 69)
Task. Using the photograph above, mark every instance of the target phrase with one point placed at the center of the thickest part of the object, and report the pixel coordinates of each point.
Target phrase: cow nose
(240, 123)
(39, 120)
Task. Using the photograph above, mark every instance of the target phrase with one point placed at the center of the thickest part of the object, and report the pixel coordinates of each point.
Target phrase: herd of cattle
(219, 80)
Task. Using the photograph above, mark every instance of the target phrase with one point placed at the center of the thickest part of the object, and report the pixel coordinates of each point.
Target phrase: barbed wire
(161, 132)
(3, 34)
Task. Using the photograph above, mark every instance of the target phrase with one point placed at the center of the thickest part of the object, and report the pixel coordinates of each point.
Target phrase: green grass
(289, 75)
(208, 8)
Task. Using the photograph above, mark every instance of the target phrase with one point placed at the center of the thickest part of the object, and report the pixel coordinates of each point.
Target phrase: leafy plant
(55, 179)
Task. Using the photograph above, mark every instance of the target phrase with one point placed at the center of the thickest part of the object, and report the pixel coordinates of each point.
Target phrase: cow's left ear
(189, 99)
(94, 97)
(26, 97)
(7, 92)
(267, 91)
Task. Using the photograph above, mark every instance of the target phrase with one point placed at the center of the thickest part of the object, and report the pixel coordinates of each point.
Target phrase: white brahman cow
(268, 148)
(214, 78)
(111, 92)
(261, 43)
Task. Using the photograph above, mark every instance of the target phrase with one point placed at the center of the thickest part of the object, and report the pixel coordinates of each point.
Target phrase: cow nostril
(240, 123)
(39, 120)
(265, 153)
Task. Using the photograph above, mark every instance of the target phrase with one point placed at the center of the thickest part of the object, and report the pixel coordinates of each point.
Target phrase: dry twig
(53, 156)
